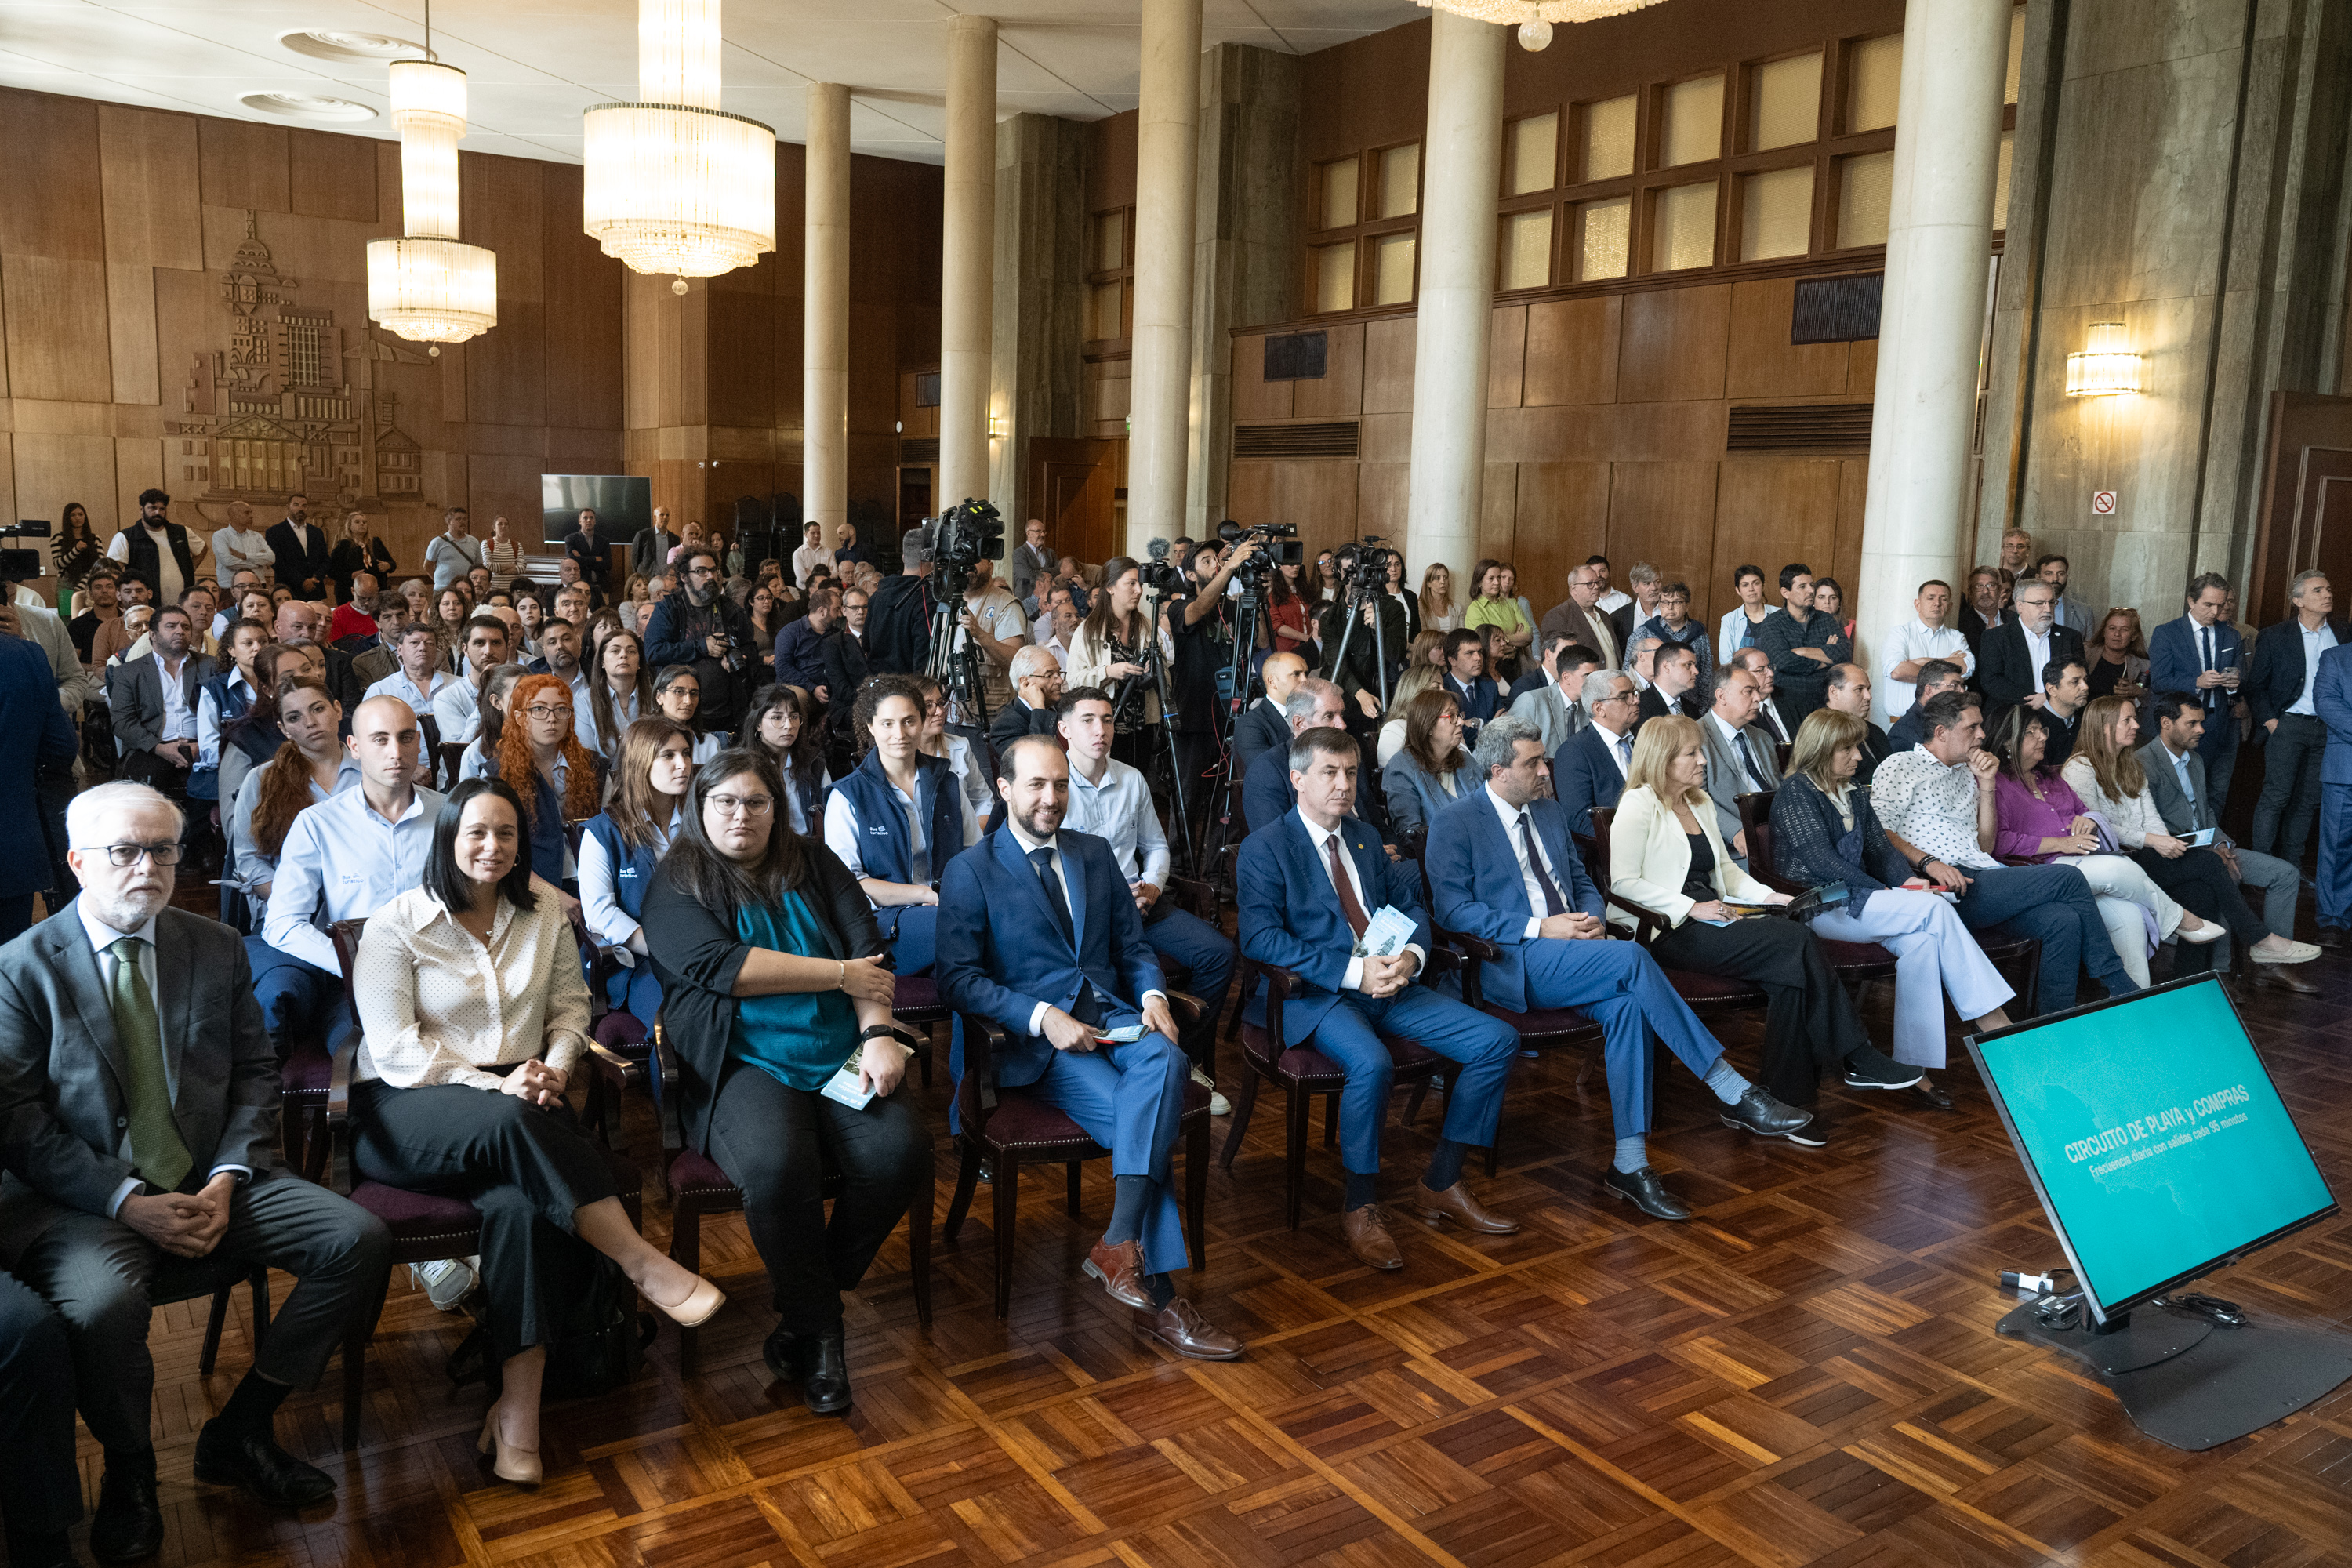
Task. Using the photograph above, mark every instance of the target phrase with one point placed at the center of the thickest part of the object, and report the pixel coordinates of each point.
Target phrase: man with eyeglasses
(343, 858)
(1740, 757)
(138, 1126)
(701, 627)
(1588, 770)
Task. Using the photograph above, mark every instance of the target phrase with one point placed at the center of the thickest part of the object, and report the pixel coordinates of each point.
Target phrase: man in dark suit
(1981, 610)
(2282, 691)
(1500, 868)
(1313, 703)
(1039, 933)
(2332, 699)
(1758, 665)
(583, 545)
(1037, 676)
(1937, 675)
(1263, 725)
(301, 549)
(1466, 680)
(153, 704)
(40, 1487)
(2177, 783)
(1674, 687)
(37, 766)
(1739, 756)
(2201, 654)
(1580, 618)
(1031, 559)
(2014, 655)
(2065, 692)
(650, 551)
(1849, 693)
(1310, 883)
(1588, 769)
(138, 1132)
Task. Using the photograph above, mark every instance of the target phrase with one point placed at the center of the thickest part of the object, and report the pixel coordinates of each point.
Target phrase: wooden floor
(1805, 1374)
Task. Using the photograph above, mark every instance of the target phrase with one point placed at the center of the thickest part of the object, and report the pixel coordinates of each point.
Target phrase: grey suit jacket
(64, 1099)
(1026, 565)
(2164, 788)
(136, 695)
(1550, 711)
(1727, 779)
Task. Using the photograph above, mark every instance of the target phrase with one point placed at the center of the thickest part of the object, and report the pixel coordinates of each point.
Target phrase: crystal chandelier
(1533, 18)
(428, 286)
(673, 185)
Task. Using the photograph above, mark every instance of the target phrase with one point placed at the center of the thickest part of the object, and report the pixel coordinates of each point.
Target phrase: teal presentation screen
(2158, 1140)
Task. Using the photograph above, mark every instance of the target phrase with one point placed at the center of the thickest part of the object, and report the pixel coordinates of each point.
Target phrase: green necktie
(155, 1146)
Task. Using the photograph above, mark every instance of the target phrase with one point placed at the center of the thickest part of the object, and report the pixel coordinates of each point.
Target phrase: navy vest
(547, 843)
(882, 845)
(632, 869)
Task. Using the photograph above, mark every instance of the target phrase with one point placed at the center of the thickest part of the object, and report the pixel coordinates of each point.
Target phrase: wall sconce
(2104, 368)
(996, 426)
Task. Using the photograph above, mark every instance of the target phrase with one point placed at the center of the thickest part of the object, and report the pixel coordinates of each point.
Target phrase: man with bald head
(343, 858)
(1264, 724)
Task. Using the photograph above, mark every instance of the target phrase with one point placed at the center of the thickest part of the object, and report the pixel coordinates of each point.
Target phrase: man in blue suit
(2332, 700)
(1500, 868)
(1314, 704)
(1589, 770)
(1466, 680)
(1038, 932)
(42, 742)
(1310, 881)
(2200, 654)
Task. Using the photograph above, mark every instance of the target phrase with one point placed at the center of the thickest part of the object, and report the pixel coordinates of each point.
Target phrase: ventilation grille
(1336, 440)
(1800, 427)
(919, 449)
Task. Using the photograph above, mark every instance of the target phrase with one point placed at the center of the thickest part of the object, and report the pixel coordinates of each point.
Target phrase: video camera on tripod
(969, 532)
(1364, 565)
(1277, 545)
(18, 564)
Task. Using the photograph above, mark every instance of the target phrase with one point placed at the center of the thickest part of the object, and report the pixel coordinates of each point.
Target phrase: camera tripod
(1154, 679)
(1240, 680)
(957, 668)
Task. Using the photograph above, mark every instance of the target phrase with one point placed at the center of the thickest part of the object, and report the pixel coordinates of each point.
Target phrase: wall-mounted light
(996, 426)
(2106, 367)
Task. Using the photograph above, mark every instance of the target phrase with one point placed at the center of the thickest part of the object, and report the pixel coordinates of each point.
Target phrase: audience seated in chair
(622, 846)
(898, 820)
(1588, 770)
(313, 765)
(558, 780)
(1429, 775)
(1314, 704)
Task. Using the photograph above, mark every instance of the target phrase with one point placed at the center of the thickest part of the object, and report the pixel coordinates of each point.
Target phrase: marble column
(1461, 163)
(1167, 150)
(1931, 324)
(824, 332)
(967, 259)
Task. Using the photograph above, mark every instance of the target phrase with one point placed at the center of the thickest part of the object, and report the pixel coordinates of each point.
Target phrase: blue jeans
(2053, 905)
(1349, 1035)
(298, 999)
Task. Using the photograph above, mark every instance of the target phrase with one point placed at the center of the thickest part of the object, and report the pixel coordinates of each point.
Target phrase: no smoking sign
(2102, 503)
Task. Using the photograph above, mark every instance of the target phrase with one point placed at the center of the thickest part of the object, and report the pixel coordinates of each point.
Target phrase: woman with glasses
(542, 760)
(473, 1016)
(898, 818)
(677, 694)
(623, 843)
(620, 692)
(955, 751)
(310, 766)
(771, 974)
(778, 726)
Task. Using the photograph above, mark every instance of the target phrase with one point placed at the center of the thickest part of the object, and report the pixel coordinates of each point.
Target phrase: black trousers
(40, 1489)
(1810, 1025)
(2289, 803)
(777, 1143)
(529, 1169)
(2199, 882)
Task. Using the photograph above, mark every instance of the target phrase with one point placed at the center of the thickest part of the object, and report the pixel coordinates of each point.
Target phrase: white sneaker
(1219, 1105)
(446, 1281)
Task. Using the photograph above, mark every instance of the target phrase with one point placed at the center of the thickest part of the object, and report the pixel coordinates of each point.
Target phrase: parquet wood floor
(1805, 1374)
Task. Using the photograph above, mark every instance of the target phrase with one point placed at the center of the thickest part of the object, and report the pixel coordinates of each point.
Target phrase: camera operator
(992, 621)
(899, 617)
(1358, 674)
(1202, 626)
(699, 625)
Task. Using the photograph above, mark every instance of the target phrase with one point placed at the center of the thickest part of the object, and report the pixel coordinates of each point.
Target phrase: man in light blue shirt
(420, 676)
(1111, 800)
(457, 706)
(343, 858)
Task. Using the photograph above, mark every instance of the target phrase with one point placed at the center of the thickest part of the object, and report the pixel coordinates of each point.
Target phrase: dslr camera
(18, 564)
(969, 532)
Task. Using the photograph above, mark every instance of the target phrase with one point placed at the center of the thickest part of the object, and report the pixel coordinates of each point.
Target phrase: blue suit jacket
(1266, 792)
(29, 711)
(1583, 775)
(2331, 695)
(1290, 916)
(2174, 661)
(1475, 886)
(1480, 700)
(999, 954)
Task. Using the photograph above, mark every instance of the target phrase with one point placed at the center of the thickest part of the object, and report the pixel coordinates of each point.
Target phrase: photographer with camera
(1203, 626)
(992, 622)
(899, 617)
(1353, 655)
(1113, 647)
(699, 625)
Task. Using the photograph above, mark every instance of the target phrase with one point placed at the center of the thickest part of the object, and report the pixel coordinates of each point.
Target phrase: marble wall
(1037, 319)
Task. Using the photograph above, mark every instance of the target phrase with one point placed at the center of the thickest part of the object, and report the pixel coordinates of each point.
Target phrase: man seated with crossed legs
(1038, 932)
(1500, 868)
(1310, 881)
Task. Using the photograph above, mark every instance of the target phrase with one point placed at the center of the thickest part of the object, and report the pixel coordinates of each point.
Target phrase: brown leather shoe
(1456, 1204)
(1179, 1326)
(1120, 1269)
(1366, 1231)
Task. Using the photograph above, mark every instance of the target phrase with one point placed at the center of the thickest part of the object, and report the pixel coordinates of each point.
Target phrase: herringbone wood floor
(1806, 1374)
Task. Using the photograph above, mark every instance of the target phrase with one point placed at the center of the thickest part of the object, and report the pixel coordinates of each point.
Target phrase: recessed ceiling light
(330, 44)
(305, 106)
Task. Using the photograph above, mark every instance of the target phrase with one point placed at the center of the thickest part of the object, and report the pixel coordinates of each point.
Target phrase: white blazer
(1649, 857)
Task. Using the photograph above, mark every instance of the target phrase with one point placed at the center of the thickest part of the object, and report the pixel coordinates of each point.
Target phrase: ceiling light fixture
(674, 185)
(428, 286)
(1535, 18)
(332, 44)
(2106, 367)
(305, 106)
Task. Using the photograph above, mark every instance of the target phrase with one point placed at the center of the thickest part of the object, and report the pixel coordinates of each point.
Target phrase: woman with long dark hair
(677, 694)
(779, 725)
(253, 737)
(955, 751)
(898, 818)
(310, 766)
(547, 767)
(623, 843)
(73, 552)
(1288, 613)
(772, 971)
(620, 691)
(1107, 650)
(480, 758)
(1426, 775)
(449, 1095)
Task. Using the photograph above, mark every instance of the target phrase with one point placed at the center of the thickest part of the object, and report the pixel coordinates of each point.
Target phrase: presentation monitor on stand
(2161, 1151)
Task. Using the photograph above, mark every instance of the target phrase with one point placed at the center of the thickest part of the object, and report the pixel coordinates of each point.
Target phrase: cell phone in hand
(1125, 1036)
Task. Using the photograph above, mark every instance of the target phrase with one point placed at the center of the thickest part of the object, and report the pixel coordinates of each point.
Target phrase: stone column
(1167, 151)
(1461, 162)
(967, 259)
(1931, 325)
(825, 332)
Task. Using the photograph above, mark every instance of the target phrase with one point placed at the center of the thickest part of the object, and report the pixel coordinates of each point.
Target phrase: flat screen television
(624, 504)
(2154, 1137)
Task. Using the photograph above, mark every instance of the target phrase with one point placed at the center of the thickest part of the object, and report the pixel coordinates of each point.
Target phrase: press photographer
(1363, 630)
(1202, 622)
(701, 627)
(978, 626)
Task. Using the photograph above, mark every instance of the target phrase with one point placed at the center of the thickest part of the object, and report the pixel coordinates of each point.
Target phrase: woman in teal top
(773, 980)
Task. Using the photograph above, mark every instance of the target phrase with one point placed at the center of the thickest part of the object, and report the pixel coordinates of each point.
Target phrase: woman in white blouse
(473, 1015)
(956, 752)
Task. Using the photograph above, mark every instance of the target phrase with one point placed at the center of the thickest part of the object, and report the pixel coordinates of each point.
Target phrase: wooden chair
(185, 1280)
(1011, 1127)
(1539, 1028)
(697, 1187)
(1705, 995)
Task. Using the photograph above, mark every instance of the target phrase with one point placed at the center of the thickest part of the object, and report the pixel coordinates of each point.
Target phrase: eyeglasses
(746, 805)
(542, 712)
(122, 856)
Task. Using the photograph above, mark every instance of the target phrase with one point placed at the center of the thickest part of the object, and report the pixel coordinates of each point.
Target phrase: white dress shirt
(457, 709)
(1614, 742)
(342, 860)
(2037, 651)
(1916, 640)
(397, 684)
(1060, 867)
(2314, 643)
(439, 1005)
(179, 719)
(1323, 838)
(1118, 810)
(1512, 816)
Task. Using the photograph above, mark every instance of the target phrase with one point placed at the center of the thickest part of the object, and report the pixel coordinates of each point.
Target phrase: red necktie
(1348, 906)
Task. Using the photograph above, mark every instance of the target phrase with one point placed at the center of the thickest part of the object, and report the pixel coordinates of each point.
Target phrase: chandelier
(428, 286)
(1533, 18)
(674, 185)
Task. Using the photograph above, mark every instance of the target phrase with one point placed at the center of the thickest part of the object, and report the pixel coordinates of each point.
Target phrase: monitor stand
(2191, 1385)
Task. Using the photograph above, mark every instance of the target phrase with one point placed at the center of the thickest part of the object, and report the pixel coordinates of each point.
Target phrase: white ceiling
(533, 66)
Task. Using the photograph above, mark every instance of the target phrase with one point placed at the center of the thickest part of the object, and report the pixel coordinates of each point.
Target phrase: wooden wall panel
(53, 204)
(583, 339)
(1319, 497)
(246, 165)
(1339, 394)
(1772, 512)
(1506, 357)
(1385, 438)
(1498, 518)
(1389, 349)
(743, 358)
(506, 368)
(335, 176)
(1665, 513)
(501, 207)
(59, 344)
(1673, 344)
(1572, 348)
(1256, 399)
(1381, 492)
(153, 204)
(1853, 490)
(1561, 516)
(51, 470)
(130, 332)
(1762, 362)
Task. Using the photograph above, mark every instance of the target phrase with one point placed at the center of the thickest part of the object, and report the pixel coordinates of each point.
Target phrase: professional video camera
(18, 564)
(1279, 547)
(1370, 568)
(968, 534)
(1160, 574)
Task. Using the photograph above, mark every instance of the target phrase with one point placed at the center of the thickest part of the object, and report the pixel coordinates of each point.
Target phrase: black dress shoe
(2335, 938)
(782, 1353)
(1761, 1114)
(129, 1525)
(254, 1461)
(1928, 1094)
(1643, 1189)
(41, 1551)
(825, 1373)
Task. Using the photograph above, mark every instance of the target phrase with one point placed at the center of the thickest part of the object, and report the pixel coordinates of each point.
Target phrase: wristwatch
(887, 1032)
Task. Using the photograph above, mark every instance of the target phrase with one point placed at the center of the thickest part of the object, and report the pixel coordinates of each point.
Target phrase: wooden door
(1071, 483)
(2307, 512)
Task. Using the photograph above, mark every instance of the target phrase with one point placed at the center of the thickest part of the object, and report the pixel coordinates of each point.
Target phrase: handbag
(1815, 902)
(602, 1345)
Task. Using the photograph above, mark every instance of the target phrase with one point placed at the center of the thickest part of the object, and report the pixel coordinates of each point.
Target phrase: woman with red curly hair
(557, 778)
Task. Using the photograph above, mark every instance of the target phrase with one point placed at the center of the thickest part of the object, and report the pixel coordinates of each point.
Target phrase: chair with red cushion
(1008, 1128)
(302, 1080)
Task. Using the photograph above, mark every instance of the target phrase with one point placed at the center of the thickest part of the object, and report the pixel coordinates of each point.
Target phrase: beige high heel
(701, 1304)
(519, 1466)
